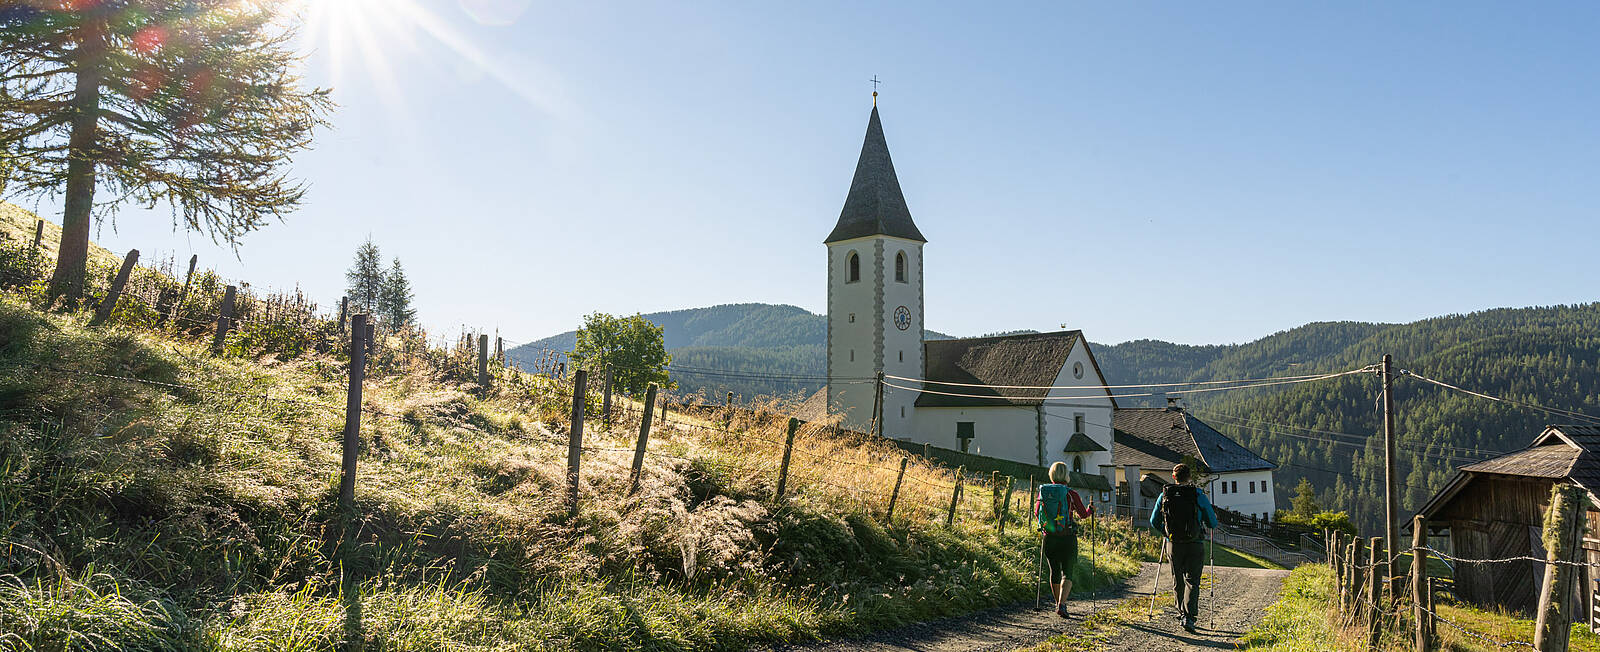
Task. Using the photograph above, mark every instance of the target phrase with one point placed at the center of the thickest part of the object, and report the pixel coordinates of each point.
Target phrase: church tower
(874, 293)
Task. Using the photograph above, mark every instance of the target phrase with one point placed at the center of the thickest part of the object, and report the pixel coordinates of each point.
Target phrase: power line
(1588, 419)
(1001, 397)
(1183, 384)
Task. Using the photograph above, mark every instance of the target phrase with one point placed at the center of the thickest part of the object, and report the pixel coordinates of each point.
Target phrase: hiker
(1182, 513)
(1057, 507)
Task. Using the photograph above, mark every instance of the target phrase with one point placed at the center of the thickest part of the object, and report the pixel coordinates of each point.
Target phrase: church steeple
(875, 205)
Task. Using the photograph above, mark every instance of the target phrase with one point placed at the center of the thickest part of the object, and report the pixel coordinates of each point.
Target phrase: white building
(1036, 398)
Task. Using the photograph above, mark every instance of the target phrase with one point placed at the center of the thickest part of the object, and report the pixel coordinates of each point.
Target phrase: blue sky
(1194, 172)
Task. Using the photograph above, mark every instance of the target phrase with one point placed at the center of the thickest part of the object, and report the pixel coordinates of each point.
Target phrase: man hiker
(1182, 513)
(1057, 507)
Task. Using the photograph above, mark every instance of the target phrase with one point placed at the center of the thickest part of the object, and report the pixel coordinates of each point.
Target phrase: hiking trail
(1242, 595)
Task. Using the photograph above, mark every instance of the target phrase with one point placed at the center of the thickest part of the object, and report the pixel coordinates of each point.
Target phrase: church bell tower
(874, 293)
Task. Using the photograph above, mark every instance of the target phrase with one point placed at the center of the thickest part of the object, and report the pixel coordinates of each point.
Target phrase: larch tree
(195, 104)
(395, 302)
(365, 280)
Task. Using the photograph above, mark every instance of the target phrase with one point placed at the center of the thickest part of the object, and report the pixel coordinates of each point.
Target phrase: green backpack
(1055, 513)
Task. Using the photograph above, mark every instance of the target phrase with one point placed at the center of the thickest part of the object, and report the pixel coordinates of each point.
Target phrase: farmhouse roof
(875, 205)
(1162, 437)
(971, 366)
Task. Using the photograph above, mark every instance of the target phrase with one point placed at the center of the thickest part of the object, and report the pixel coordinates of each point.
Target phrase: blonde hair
(1058, 473)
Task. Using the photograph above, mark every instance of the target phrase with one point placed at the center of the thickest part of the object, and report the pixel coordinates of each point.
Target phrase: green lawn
(1225, 556)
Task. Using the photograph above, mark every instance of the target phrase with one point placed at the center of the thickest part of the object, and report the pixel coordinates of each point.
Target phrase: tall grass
(202, 516)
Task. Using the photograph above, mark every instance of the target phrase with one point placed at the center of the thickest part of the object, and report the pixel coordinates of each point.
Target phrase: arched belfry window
(852, 272)
(900, 267)
(1077, 463)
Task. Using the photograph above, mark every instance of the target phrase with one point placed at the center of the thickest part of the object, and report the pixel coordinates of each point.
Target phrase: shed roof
(1560, 452)
(875, 205)
(1162, 437)
(1082, 443)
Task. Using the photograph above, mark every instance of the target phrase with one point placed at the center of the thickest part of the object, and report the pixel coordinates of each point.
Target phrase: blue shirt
(1207, 516)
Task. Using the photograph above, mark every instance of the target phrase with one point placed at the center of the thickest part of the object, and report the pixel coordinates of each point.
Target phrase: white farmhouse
(1035, 398)
(1156, 439)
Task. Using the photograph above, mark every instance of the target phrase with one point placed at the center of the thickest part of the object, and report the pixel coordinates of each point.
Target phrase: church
(1035, 398)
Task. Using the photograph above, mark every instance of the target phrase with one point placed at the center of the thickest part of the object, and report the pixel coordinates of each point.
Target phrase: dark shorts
(1061, 550)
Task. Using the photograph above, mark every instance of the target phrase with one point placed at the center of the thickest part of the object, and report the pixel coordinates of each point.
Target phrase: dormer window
(852, 268)
(900, 267)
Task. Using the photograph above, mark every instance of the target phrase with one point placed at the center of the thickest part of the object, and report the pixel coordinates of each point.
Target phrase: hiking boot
(1062, 611)
(1188, 625)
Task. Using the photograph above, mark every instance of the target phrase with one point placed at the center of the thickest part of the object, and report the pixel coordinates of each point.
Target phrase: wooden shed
(1495, 509)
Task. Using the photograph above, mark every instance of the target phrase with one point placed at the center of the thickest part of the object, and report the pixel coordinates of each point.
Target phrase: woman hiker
(1058, 507)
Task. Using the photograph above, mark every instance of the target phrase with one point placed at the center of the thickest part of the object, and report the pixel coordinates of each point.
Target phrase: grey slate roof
(875, 205)
(1081, 443)
(1159, 438)
(1091, 481)
(1028, 359)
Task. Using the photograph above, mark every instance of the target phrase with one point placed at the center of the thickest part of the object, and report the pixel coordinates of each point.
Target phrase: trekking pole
(1038, 569)
(1211, 554)
(1094, 597)
(1160, 561)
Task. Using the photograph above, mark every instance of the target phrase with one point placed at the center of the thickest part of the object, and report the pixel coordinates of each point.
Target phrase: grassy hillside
(157, 497)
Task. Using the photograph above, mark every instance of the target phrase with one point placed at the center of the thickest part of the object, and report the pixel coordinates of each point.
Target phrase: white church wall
(1059, 415)
(1009, 433)
(902, 349)
(850, 331)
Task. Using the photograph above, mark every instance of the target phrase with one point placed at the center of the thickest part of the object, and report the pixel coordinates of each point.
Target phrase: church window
(900, 267)
(965, 433)
(1224, 487)
(1252, 484)
(1077, 423)
(902, 411)
(902, 356)
(852, 318)
(1077, 370)
(853, 268)
(1077, 463)
(852, 355)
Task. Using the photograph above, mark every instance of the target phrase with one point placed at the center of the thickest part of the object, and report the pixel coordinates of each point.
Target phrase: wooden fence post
(1005, 510)
(575, 441)
(1563, 538)
(644, 437)
(344, 312)
(994, 495)
(727, 409)
(788, 449)
(1419, 580)
(955, 497)
(352, 416)
(1376, 579)
(500, 350)
(177, 304)
(1336, 550)
(605, 398)
(894, 496)
(483, 363)
(103, 311)
(1357, 577)
(1433, 623)
(663, 410)
(38, 236)
(224, 319)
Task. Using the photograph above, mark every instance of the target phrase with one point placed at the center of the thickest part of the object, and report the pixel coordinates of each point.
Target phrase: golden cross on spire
(875, 83)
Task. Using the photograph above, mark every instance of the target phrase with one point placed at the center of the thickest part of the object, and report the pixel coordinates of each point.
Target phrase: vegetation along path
(1115, 619)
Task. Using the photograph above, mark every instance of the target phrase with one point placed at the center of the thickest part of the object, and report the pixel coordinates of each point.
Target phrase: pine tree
(364, 281)
(395, 298)
(192, 103)
(1305, 499)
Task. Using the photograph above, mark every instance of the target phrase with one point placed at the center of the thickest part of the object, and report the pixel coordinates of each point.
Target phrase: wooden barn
(1495, 509)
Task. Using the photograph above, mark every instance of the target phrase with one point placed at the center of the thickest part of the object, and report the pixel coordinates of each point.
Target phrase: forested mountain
(1325, 430)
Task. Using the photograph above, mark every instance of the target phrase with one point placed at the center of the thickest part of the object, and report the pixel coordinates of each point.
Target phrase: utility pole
(1391, 509)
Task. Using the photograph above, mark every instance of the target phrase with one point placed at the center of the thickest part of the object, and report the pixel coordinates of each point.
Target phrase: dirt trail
(1242, 594)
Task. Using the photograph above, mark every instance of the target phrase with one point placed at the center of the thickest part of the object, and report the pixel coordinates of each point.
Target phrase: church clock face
(902, 318)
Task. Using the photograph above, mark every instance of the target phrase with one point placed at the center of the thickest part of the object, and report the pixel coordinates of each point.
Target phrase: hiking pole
(1094, 597)
(1211, 554)
(1160, 561)
(1038, 569)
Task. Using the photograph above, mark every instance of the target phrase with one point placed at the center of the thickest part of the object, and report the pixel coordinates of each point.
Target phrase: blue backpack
(1055, 515)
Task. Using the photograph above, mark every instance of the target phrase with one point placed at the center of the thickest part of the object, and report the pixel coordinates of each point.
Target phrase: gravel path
(1242, 595)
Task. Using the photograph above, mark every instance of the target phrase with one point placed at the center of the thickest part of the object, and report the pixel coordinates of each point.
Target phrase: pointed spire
(875, 205)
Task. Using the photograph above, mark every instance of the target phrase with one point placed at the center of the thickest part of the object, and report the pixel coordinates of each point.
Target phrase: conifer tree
(395, 300)
(191, 103)
(364, 281)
